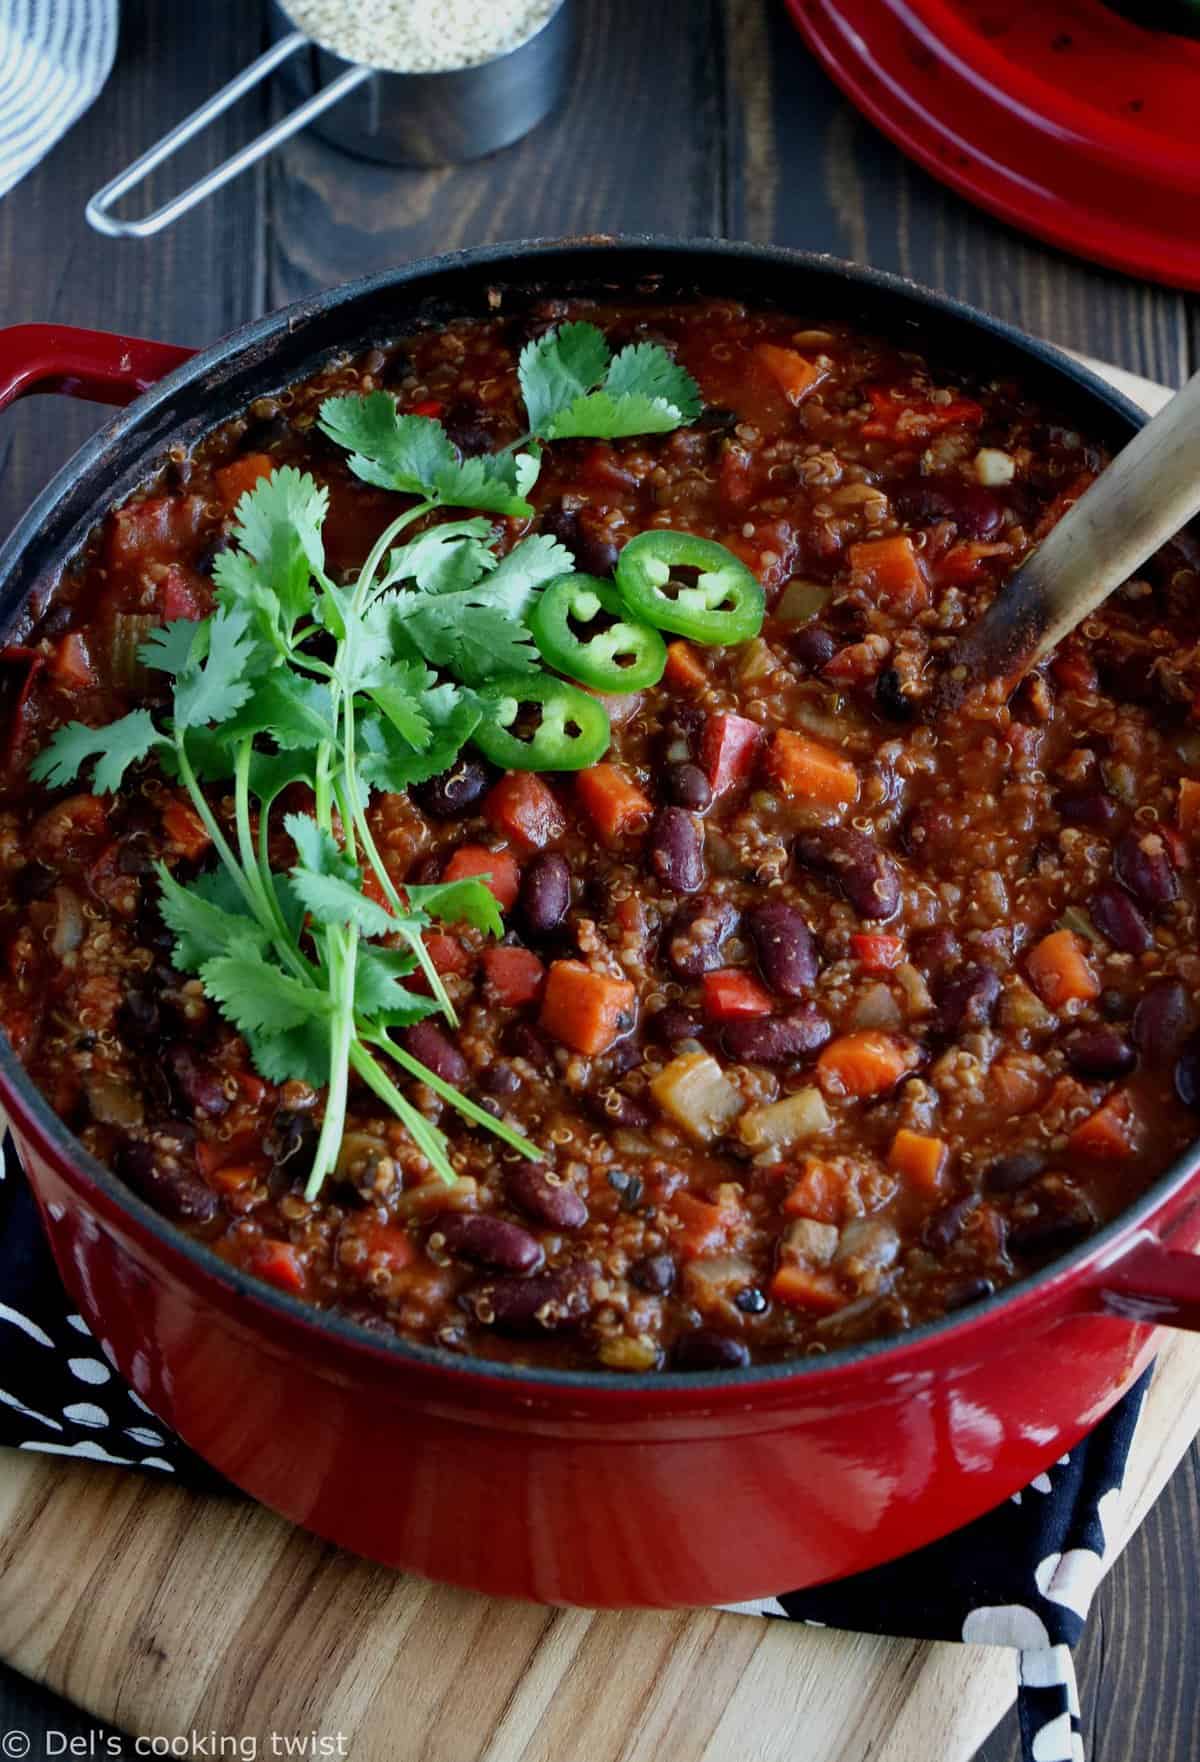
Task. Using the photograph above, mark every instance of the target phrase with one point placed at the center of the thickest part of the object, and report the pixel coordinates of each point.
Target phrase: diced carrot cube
(810, 1288)
(387, 1245)
(875, 952)
(803, 769)
(731, 993)
(525, 809)
(1112, 1133)
(497, 868)
(586, 1010)
(71, 665)
(1187, 811)
(613, 802)
(728, 750)
(866, 1063)
(184, 828)
(706, 1227)
(684, 670)
(1060, 971)
(820, 1193)
(919, 1159)
(234, 480)
(888, 569)
(279, 1264)
(793, 373)
(511, 976)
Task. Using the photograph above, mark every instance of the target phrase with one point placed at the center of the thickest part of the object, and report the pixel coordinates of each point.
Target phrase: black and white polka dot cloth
(1022, 1576)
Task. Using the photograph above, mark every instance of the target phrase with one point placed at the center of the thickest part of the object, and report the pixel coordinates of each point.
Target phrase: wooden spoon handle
(1148, 493)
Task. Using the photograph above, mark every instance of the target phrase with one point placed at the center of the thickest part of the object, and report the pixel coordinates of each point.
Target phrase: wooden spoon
(1143, 498)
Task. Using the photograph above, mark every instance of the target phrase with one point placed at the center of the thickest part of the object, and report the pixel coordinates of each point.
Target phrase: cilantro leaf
(646, 370)
(386, 762)
(212, 689)
(600, 415)
(115, 748)
(279, 523)
(379, 994)
(468, 901)
(329, 885)
(295, 711)
(398, 694)
(492, 481)
(479, 631)
(405, 453)
(445, 559)
(176, 646)
(203, 928)
(285, 1022)
(559, 367)
(532, 564)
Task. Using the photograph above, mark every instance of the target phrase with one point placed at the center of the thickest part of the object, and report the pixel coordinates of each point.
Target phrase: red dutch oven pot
(570, 1487)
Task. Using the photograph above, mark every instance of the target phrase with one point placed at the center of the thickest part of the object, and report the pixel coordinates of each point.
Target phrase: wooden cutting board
(167, 1612)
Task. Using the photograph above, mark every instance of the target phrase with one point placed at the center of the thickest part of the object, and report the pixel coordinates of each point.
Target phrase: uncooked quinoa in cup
(421, 36)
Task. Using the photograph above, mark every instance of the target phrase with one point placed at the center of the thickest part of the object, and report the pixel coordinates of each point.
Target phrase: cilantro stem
(343, 950)
(425, 1136)
(506, 1133)
(220, 843)
(378, 551)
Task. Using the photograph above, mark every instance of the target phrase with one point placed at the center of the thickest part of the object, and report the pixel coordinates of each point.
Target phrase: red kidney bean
(449, 796)
(499, 1079)
(525, 1042)
(557, 1298)
(542, 1197)
(935, 950)
(707, 1350)
(675, 1023)
(813, 646)
(160, 1177)
(201, 1088)
(697, 934)
(783, 942)
(654, 1273)
(1098, 1052)
(1142, 863)
(777, 1040)
(427, 1043)
(967, 1000)
(486, 1241)
(855, 863)
(1087, 807)
(688, 787)
(1116, 917)
(545, 896)
(676, 851)
(1007, 1174)
(1162, 1021)
(1187, 1075)
(611, 1108)
(974, 509)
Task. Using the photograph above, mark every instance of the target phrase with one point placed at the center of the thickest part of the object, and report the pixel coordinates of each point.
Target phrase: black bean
(551, 1300)
(293, 1137)
(1045, 1238)
(1142, 863)
(489, 1242)
(697, 934)
(140, 1020)
(544, 1198)
(33, 881)
(716, 419)
(200, 1086)
(854, 862)
(545, 896)
(946, 1225)
(676, 851)
(1098, 1052)
(750, 1300)
(428, 1044)
(783, 942)
(966, 1291)
(891, 699)
(1162, 1021)
(1009, 1173)
(1087, 807)
(708, 1350)
(461, 422)
(1114, 1005)
(675, 1023)
(688, 787)
(776, 1040)
(449, 796)
(174, 1189)
(967, 1000)
(1187, 1075)
(596, 550)
(1116, 917)
(655, 1273)
(813, 646)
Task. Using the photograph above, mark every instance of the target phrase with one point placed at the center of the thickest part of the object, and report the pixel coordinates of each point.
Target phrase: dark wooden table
(686, 116)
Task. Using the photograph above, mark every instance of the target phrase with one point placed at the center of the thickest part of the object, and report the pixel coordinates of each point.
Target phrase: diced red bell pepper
(877, 953)
(185, 829)
(512, 977)
(255, 1089)
(525, 809)
(429, 407)
(387, 1245)
(1075, 671)
(964, 563)
(183, 595)
(915, 418)
(728, 750)
(731, 993)
(279, 1264)
(155, 531)
(706, 1226)
(735, 478)
(70, 664)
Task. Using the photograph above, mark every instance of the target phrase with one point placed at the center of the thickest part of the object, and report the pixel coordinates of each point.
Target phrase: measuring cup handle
(99, 208)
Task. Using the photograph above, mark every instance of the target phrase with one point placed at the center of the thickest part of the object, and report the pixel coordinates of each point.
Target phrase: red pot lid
(1061, 116)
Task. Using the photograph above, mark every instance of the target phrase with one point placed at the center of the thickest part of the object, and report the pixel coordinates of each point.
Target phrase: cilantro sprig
(350, 688)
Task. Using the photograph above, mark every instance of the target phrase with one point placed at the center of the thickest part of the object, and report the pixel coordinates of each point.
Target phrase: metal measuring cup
(395, 118)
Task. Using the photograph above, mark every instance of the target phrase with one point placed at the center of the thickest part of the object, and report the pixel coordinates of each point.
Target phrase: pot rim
(50, 1137)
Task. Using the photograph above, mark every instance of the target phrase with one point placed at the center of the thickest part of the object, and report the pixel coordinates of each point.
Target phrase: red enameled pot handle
(93, 364)
(1153, 1284)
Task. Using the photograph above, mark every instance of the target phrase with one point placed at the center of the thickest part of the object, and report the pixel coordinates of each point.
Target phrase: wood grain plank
(822, 177)
(624, 153)
(189, 284)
